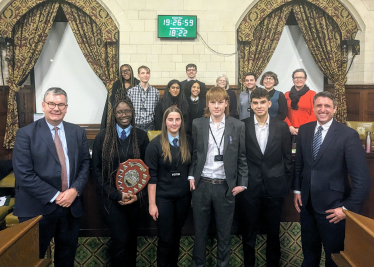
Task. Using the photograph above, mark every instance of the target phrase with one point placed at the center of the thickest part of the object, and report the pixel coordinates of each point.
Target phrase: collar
(51, 127)
(193, 99)
(326, 126)
(127, 130)
(171, 138)
(191, 80)
(222, 121)
(257, 123)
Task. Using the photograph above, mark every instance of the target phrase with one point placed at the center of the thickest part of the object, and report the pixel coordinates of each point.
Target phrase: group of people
(204, 155)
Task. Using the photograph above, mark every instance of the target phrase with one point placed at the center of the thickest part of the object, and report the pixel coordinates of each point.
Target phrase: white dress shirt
(214, 169)
(262, 133)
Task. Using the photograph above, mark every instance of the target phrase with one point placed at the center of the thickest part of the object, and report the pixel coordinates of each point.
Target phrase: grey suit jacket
(234, 159)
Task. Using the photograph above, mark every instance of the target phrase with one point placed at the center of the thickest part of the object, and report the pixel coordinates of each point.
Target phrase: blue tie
(123, 135)
(317, 141)
(175, 142)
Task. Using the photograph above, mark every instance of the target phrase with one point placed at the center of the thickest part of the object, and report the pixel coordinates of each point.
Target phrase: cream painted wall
(217, 24)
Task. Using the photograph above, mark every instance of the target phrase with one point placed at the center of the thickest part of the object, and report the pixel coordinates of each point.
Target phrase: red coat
(304, 114)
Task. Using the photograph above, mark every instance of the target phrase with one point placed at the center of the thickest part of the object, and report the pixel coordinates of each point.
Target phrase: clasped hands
(127, 199)
(66, 198)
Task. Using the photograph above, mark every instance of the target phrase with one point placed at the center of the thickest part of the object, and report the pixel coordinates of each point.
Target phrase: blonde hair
(216, 94)
(183, 144)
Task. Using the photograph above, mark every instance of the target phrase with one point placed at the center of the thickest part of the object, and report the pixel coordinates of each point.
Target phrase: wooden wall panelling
(353, 106)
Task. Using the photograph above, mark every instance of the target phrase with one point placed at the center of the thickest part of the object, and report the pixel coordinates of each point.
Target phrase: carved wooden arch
(94, 9)
(263, 8)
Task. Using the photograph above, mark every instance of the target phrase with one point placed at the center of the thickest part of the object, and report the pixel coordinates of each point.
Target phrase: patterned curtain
(255, 55)
(29, 34)
(323, 37)
(100, 55)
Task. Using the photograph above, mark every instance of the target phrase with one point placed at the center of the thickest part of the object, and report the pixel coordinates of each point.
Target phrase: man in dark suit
(326, 153)
(268, 150)
(191, 71)
(51, 164)
(218, 172)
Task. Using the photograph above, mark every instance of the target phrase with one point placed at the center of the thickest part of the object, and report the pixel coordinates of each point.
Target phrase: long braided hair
(110, 145)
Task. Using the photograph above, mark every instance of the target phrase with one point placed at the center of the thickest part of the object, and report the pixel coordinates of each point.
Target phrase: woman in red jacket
(299, 102)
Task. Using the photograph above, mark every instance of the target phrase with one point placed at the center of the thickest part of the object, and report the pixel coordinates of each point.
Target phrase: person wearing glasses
(126, 81)
(278, 107)
(51, 163)
(244, 109)
(299, 103)
(168, 157)
(191, 71)
(120, 141)
(172, 97)
(223, 81)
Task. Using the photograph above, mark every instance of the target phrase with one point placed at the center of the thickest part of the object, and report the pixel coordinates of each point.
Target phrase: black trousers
(250, 210)
(172, 215)
(317, 230)
(207, 198)
(123, 227)
(64, 227)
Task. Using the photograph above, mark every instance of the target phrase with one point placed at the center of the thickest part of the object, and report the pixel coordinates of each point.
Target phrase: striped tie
(317, 141)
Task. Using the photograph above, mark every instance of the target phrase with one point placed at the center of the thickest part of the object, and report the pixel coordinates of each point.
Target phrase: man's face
(299, 80)
(217, 107)
(144, 75)
(250, 82)
(55, 115)
(260, 106)
(191, 73)
(324, 109)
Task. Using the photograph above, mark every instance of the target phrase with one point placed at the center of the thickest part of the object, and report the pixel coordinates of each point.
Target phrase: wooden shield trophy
(132, 176)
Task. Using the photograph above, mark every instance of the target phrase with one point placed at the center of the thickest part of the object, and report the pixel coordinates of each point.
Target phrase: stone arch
(263, 8)
(16, 9)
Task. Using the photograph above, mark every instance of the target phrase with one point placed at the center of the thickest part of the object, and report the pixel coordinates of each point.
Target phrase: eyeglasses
(61, 106)
(123, 112)
(269, 79)
(125, 71)
(298, 78)
(189, 70)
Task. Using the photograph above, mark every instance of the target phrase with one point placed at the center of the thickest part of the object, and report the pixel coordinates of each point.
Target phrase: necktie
(61, 158)
(175, 142)
(123, 135)
(317, 141)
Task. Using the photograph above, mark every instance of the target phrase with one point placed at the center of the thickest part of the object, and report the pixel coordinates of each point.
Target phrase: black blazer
(326, 178)
(234, 160)
(274, 166)
(38, 170)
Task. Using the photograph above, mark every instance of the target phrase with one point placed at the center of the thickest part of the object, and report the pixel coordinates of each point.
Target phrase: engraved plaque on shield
(132, 176)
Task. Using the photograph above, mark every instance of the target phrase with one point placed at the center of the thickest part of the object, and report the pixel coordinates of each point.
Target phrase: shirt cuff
(54, 198)
(244, 186)
(344, 208)
(191, 178)
(297, 192)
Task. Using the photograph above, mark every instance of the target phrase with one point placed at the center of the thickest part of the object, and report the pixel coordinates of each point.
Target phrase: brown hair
(183, 144)
(144, 67)
(269, 74)
(216, 94)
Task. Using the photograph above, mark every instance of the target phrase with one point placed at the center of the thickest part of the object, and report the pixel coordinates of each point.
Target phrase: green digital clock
(177, 26)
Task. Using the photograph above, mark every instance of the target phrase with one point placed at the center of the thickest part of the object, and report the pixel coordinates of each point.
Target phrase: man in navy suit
(326, 153)
(51, 164)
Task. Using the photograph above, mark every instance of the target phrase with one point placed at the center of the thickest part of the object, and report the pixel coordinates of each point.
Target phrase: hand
(336, 215)
(297, 201)
(293, 130)
(237, 190)
(192, 184)
(153, 211)
(128, 199)
(66, 198)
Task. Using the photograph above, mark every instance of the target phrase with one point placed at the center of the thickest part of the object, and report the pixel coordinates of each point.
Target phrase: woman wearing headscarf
(172, 97)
